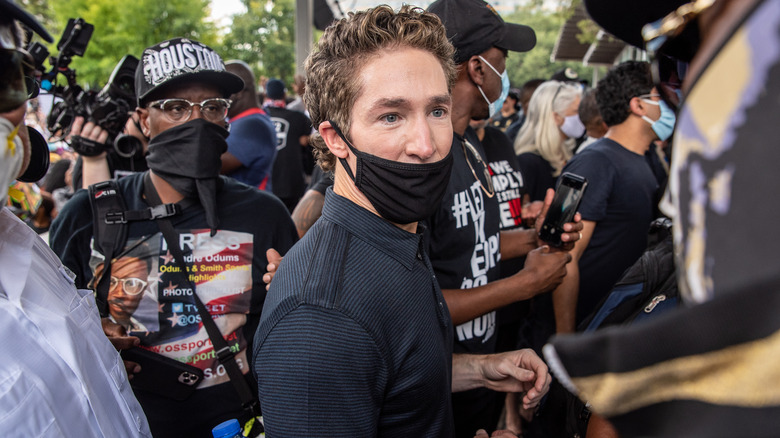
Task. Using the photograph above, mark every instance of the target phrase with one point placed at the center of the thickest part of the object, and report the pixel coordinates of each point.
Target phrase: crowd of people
(365, 259)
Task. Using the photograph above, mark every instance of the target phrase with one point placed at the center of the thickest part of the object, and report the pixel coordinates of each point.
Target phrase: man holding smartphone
(622, 193)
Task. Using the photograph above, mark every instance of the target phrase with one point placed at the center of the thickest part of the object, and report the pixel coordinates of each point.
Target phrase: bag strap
(109, 228)
(225, 356)
(109, 236)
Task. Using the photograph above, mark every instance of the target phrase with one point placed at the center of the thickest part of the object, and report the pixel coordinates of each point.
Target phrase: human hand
(530, 212)
(274, 259)
(117, 335)
(546, 268)
(89, 133)
(571, 229)
(502, 433)
(519, 371)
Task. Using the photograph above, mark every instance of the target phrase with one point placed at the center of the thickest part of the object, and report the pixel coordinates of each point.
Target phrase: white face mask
(572, 127)
(11, 157)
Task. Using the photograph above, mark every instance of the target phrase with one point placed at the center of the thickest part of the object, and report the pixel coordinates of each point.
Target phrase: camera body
(108, 108)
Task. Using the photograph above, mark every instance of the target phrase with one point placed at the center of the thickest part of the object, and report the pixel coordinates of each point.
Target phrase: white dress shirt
(59, 374)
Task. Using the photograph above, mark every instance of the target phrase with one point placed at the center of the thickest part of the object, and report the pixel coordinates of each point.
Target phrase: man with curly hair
(620, 201)
(356, 338)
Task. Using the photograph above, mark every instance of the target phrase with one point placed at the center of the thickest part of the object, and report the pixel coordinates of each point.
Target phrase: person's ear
(637, 106)
(476, 70)
(335, 143)
(143, 121)
(559, 119)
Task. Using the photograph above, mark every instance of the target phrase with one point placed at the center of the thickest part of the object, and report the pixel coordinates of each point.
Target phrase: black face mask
(400, 192)
(188, 157)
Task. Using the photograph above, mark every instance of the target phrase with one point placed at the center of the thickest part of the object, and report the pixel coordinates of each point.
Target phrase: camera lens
(126, 145)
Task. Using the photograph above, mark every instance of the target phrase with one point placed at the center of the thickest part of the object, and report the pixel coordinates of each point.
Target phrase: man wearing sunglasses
(222, 228)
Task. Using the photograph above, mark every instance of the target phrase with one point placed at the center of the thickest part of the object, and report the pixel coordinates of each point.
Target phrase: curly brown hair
(331, 69)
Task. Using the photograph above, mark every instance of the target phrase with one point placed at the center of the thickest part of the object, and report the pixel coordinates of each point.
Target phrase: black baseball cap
(473, 27)
(274, 89)
(9, 10)
(181, 60)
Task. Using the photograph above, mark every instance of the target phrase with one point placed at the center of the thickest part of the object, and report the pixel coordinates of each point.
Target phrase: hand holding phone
(568, 195)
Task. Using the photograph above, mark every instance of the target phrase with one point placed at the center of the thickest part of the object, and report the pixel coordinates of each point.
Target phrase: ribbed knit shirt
(355, 338)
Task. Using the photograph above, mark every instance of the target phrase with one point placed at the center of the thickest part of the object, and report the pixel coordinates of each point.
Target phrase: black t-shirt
(537, 175)
(288, 171)
(508, 183)
(620, 198)
(320, 181)
(227, 270)
(464, 242)
(504, 122)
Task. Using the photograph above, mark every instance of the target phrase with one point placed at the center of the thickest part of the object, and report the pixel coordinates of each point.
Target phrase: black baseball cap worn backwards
(473, 26)
(181, 60)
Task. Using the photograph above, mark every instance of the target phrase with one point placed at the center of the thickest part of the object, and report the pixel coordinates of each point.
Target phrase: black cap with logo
(473, 27)
(181, 60)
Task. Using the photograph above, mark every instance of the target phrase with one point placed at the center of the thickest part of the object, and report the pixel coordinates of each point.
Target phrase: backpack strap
(109, 229)
(109, 236)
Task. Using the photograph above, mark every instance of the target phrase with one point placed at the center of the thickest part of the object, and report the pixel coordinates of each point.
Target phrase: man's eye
(175, 107)
(390, 118)
(439, 112)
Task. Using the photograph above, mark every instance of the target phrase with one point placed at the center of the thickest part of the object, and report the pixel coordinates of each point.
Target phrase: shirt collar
(16, 242)
(372, 229)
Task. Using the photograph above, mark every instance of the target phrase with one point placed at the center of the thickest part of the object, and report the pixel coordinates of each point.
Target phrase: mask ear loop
(352, 148)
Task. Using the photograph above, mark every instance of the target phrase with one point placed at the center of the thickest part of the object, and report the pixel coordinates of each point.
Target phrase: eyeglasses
(180, 110)
(489, 191)
(648, 96)
(658, 35)
(555, 96)
(131, 286)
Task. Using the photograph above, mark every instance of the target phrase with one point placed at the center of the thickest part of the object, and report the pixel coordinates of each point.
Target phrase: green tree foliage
(264, 38)
(123, 28)
(536, 63)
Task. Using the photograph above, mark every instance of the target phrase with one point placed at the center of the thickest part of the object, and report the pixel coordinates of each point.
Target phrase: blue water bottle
(228, 429)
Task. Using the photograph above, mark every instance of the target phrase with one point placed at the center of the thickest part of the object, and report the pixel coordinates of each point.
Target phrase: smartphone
(162, 375)
(568, 195)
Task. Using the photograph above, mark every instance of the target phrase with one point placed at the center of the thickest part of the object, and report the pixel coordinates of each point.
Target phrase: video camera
(109, 108)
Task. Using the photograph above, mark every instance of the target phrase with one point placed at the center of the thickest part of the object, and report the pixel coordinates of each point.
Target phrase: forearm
(467, 304)
(467, 372)
(517, 243)
(308, 210)
(94, 170)
(565, 299)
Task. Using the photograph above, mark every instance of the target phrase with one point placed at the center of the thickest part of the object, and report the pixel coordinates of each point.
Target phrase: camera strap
(225, 356)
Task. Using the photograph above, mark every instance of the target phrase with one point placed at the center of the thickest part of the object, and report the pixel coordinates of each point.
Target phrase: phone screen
(563, 208)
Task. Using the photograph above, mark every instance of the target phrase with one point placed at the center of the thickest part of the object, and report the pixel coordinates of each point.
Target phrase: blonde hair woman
(545, 142)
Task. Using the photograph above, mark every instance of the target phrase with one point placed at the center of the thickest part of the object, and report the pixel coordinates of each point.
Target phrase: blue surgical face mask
(495, 106)
(664, 126)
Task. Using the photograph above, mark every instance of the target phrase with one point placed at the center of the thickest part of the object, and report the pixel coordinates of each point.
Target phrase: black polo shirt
(355, 338)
